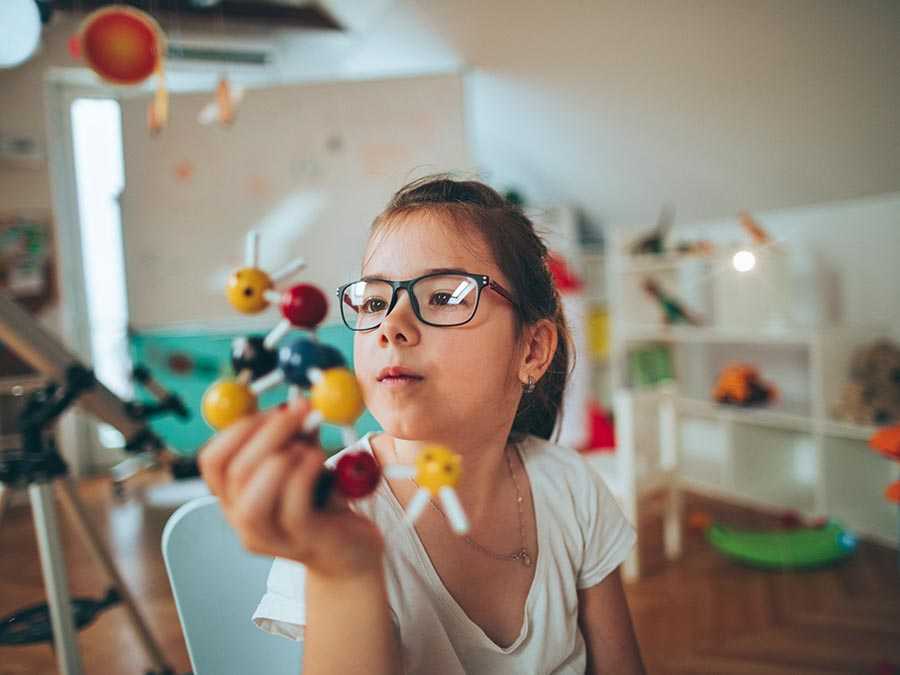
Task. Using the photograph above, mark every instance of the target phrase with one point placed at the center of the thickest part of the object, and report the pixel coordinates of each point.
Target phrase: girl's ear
(540, 346)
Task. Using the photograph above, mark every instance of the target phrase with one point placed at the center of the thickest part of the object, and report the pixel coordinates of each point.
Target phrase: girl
(459, 340)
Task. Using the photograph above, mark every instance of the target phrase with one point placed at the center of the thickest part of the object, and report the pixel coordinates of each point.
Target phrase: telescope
(46, 354)
(38, 465)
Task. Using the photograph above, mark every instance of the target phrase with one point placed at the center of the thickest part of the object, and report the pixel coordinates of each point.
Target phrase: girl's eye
(443, 298)
(372, 305)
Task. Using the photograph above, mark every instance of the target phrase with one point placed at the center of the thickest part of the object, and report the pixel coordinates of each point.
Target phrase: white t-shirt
(582, 537)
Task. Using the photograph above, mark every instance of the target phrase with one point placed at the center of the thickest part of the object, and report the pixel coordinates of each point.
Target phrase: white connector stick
(267, 382)
(454, 510)
(251, 252)
(288, 270)
(274, 337)
(416, 506)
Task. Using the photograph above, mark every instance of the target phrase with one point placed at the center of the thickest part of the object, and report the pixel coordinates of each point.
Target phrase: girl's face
(469, 382)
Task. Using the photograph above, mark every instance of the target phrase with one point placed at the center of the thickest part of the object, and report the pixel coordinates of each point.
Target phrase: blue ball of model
(298, 356)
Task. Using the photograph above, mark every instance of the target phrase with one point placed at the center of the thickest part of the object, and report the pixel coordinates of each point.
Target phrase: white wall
(308, 166)
(714, 105)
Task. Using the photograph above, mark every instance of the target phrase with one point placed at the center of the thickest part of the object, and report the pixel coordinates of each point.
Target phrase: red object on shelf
(304, 306)
(892, 493)
(563, 277)
(357, 474)
(886, 441)
(601, 431)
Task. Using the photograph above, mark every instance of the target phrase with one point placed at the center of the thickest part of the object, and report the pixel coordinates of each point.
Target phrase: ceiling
(281, 14)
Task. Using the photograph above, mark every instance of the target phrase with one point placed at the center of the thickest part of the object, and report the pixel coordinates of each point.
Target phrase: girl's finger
(254, 510)
(271, 437)
(296, 502)
(215, 456)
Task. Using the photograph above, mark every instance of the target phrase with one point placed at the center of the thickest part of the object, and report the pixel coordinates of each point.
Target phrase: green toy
(806, 547)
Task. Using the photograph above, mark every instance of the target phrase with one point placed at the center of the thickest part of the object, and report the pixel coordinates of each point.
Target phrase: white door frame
(77, 434)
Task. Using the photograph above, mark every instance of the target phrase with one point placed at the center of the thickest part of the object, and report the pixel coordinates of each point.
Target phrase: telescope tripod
(38, 465)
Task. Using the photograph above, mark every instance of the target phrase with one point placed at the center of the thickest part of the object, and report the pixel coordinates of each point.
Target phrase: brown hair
(521, 255)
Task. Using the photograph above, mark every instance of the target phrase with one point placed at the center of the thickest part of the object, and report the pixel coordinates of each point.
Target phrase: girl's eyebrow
(433, 270)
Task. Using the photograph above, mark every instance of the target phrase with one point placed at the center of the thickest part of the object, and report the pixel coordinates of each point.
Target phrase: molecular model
(302, 363)
(307, 365)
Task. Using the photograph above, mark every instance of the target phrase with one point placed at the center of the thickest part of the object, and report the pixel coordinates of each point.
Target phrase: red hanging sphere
(304, 306)
(357, 474)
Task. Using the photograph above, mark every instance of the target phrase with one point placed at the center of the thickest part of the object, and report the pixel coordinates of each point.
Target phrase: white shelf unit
(788, 456)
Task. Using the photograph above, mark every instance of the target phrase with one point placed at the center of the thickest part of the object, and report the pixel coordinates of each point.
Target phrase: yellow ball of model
(436, 468)
(226, 402)
(246, 290)
(337, 396)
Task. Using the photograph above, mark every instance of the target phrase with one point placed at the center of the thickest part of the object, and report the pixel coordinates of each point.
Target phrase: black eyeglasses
(438, 299)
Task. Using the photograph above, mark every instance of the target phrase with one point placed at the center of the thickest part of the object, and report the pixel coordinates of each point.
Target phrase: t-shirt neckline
(435, 578)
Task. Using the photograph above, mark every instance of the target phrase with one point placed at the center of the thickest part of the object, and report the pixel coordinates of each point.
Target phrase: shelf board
(703, 334)
(791, 418)
(788, 417)
(850, 430)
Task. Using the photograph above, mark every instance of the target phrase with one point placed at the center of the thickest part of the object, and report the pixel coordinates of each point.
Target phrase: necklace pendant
(525, 558)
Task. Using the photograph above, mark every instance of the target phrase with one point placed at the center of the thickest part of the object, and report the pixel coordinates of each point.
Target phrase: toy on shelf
(598, 332)
(740, 384)
(887, 443)
(601, 429)
(650, 365)
(436, 473)
(653, 242)
(701, 247)
(673, 310)
(755, 230)
(872, 395)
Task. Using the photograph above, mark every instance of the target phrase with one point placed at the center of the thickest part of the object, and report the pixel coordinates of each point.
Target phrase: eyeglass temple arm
(502, 291)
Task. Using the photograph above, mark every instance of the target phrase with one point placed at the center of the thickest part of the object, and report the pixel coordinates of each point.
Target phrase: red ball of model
(357, 474)
(304, 306)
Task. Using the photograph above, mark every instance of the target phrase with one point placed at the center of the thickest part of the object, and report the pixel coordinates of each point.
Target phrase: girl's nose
(400, 326)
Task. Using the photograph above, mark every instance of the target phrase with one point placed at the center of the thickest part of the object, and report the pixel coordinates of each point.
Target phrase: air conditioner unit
(204, 53)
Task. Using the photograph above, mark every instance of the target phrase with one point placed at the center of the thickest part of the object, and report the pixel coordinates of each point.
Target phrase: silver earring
(531, 386)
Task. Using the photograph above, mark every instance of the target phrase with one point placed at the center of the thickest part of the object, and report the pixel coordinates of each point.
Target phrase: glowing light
(744, 261)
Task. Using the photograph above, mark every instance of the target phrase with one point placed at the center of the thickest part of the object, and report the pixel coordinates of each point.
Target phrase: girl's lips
(400, 381)
(397, 373)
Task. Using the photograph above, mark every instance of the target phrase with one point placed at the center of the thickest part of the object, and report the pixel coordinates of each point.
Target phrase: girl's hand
(263, 473)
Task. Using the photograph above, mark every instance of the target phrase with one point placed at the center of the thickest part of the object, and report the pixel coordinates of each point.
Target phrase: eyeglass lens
(443, 300)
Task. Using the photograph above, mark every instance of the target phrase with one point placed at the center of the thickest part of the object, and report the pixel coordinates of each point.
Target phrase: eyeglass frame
(482, 281)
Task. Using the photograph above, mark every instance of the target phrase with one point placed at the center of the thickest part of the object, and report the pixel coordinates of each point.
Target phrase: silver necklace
(520, 555)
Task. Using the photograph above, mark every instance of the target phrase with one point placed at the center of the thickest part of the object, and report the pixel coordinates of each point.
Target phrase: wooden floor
(702, 614)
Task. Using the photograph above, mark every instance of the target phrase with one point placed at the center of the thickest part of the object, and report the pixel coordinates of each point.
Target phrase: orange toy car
(739, 384)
